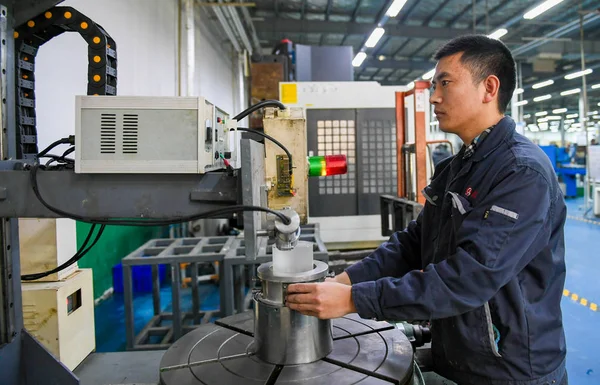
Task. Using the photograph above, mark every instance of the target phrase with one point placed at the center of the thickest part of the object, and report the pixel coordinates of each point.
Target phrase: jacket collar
(504, 129)
(457, 168)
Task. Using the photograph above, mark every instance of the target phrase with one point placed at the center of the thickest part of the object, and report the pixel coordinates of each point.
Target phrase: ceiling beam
(328, 9)
(461, 13)
(432, 16)
(389, 75)
(404, 15)
(303, 9)
(380, 47)
(492, 11)
(421, 48)
(400, 48)
(280, 25)
(356, 9)
(375, 74)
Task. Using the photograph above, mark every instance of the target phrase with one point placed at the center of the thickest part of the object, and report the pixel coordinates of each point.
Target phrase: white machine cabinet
(137, 134)
(356, 119)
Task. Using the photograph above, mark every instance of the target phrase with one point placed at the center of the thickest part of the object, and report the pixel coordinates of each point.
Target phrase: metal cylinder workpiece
(283, 336)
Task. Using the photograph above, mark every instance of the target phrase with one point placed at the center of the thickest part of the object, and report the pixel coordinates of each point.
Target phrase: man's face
(456, 98)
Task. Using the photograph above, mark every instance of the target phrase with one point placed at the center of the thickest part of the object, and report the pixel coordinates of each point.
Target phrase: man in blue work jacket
(484, 261)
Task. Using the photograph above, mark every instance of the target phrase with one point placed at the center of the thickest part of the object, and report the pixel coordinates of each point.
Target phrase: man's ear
(492, 88)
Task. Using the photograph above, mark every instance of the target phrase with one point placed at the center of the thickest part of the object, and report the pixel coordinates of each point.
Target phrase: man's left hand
(324, 300)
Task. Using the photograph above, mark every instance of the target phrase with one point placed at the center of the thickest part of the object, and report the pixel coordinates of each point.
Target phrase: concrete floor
(582, 292)
(581, 317)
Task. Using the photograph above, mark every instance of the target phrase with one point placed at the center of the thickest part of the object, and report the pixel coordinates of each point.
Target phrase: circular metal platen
(364, 352)
(265, 273)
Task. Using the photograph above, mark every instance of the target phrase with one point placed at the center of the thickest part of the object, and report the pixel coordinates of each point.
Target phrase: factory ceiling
(546, 47)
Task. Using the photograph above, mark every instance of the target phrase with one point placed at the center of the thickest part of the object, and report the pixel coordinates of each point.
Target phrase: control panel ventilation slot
(108, 133)
(130, 133)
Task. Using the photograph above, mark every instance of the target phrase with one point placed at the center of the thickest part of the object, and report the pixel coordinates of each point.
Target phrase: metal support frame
(397, 213)
(22, 359)
(171, 252)
(253, 192)
(228, 251)
(115, 195)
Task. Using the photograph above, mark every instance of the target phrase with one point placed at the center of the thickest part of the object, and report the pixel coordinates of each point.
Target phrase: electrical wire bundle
(62, 162)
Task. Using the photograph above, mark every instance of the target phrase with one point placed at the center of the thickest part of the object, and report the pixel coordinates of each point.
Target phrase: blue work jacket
(484, 261)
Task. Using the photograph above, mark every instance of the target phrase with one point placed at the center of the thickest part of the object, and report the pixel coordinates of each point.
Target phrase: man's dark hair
(485, 56)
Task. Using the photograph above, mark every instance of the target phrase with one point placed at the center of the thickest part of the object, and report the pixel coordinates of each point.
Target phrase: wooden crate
(67, 331)
(265, 78)
(46, 243)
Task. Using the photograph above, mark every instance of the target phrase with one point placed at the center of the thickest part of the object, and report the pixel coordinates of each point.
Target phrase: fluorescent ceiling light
(542, 120)
(410, 85)
(374, 38)
(553, 117)
(429, 74)
(570, 92)
(521, 103)
(596, 86)
(518, 91)
(543, 126)
(526, 116)
(579, 74)
(569, 121)
(359, 59)
(395, 8)
(541, 8)
(542, 84)
(381, 57)
(596, 116)
(541, 98)
(541, 113)
(498, 33)
(559, 111)
(593, 113)
(571, 116)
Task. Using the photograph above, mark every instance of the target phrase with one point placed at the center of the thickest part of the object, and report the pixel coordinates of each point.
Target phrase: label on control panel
(289, 93)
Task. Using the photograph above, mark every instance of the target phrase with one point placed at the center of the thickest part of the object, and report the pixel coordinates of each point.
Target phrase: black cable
(147, 222)
(80, 254)
(67, 152)
(57, 158)
(257, 106)
(69, 140)
(30, 277)
(259, 133)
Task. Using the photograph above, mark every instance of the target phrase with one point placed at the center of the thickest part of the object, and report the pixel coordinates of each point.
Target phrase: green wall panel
(116, 242)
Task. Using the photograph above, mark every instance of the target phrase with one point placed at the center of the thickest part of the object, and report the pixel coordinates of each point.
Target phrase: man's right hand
(341, 278)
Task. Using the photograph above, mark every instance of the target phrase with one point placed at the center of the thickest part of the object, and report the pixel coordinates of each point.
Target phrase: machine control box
(156, 135)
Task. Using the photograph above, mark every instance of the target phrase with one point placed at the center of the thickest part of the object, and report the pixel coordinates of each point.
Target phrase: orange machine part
(400, 135)
(420, 107)
(421, 138)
